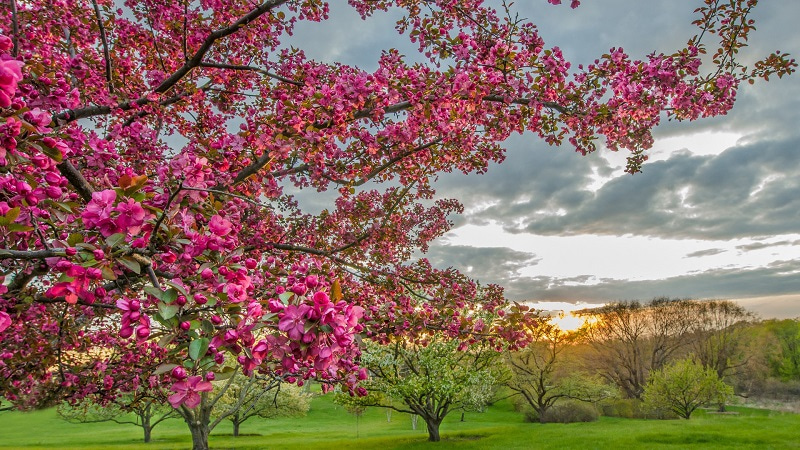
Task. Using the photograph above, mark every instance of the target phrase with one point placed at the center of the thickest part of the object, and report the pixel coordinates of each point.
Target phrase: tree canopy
(150, 152)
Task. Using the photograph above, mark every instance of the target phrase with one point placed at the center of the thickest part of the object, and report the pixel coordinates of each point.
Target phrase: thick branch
(28, 255)
(76, 179)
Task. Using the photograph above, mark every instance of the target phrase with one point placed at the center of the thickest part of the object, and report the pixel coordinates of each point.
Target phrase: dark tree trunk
(235, 428)
(433, 430)
(148, 430)
(199, 435)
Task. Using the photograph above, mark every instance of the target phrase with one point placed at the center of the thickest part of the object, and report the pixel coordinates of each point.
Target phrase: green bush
(565, 412)
(627, 408)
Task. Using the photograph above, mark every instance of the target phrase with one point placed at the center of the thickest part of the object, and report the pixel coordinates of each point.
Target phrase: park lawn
(328, 426)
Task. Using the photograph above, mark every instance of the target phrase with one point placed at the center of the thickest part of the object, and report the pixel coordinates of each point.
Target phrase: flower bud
(179, 373)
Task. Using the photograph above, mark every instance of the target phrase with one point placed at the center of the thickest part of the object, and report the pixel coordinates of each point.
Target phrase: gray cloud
(781, 276)
(707, 252)
(497, 265)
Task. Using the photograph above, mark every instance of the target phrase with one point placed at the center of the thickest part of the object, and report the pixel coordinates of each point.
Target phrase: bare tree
(632, 339)
(539, 373)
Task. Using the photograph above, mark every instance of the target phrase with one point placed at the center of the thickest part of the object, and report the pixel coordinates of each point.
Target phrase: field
(328, 426)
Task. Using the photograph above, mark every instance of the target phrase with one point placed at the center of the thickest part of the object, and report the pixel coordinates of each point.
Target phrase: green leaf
(198, 348)
(131, 264)
(108, 273)
(154, 291)
(285, 297)
(10, 216)
(74, 238)
(207, 327)
(16, 227)
(115, 239)
(164, 368)
(169, 296)
(182, 290)
(52, 152)
(167, 311)
(165, 340)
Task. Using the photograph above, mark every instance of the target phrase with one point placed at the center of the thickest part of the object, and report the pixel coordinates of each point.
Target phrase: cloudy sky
(715, 213)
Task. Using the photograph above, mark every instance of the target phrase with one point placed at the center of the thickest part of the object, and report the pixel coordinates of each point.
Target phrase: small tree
(431, 378)
(684, 386)
(357, 405)
(145, 411)
(250, 397)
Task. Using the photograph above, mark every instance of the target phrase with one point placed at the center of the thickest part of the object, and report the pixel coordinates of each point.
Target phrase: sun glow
(563, 313)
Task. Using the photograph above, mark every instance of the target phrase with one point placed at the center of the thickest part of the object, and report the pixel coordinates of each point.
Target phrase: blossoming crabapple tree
(146, 148)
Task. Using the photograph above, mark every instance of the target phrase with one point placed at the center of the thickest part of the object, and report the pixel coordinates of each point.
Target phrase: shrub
(628, 408)
(565, 412)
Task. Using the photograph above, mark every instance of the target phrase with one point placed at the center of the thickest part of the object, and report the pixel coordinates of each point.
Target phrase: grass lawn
(328, 426)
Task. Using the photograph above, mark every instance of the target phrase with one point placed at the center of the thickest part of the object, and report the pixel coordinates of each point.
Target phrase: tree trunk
(414, 419)
(145, 417)
(235, 428)
(433, 430)
(199, 435)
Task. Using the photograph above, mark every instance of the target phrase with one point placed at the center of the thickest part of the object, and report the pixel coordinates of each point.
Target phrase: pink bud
(210, 376)
(179, 373)
(126, 332)
(186, 325)
(135, 305)
(200, 299)
(250, 263)
(142, 332)
(206, 273)
(181, 300)
(71, 251)
(99, 254)
(216, 320)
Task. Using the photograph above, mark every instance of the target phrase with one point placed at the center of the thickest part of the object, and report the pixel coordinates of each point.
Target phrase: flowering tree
(148, 151)
(430, 378)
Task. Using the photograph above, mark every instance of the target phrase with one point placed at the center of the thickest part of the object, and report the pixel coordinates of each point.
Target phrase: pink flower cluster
(133, 319)
(10, 73)
(109, 217)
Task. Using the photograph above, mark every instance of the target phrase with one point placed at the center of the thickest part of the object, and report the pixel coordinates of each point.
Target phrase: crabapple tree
(149, 151)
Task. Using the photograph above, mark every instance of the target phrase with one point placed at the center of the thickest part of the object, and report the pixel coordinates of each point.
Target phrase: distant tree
(719, 328)
(357, 405)
(540, 376)
(684, 386)
(785, 364)
(632, 339)
(431, 378)
(249, 397)
(145, 410)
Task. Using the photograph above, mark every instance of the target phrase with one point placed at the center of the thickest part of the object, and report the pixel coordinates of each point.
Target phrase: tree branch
(104, 41)
(252, 69)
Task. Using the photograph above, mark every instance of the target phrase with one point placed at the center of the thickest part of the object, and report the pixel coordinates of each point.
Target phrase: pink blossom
(5, 321)
(188, 392)
(131, 216)
(293, 321)
(10, 75)
(219, 226)
(98, 212)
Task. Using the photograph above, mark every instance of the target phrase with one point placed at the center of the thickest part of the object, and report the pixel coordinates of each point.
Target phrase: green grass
(328, 426)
